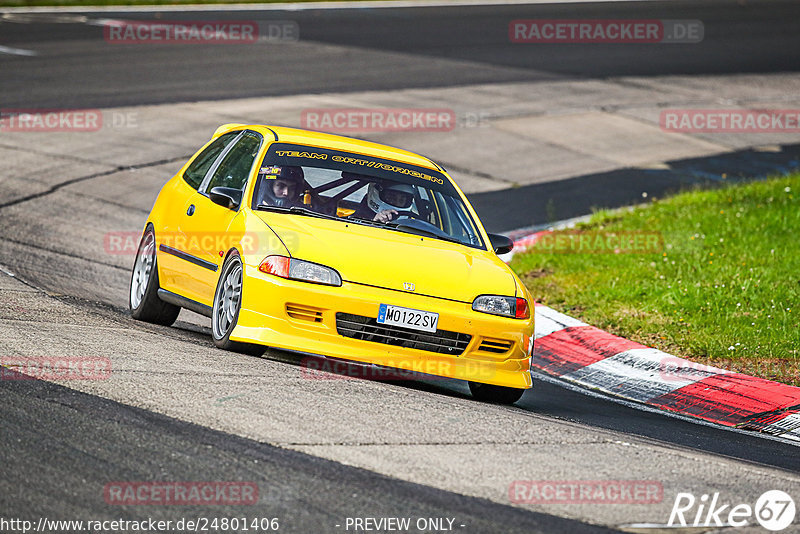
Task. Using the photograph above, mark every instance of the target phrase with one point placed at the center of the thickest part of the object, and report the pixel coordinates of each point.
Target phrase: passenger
(282, 186)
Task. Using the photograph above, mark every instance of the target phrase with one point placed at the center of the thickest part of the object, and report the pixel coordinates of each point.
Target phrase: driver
(384, 202)
(281, 186)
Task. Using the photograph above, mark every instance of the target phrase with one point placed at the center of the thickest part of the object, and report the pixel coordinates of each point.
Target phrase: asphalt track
(425, 47)
(60, 470)
(54, 439)
(544, 203)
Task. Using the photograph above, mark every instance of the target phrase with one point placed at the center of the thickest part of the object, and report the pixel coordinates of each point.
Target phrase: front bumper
(301, 316)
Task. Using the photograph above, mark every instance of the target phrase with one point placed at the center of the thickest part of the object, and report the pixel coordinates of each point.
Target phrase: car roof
(336, 142)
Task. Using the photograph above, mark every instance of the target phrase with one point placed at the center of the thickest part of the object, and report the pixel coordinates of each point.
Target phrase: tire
(143, 300)
(495, 394)
(227, 303)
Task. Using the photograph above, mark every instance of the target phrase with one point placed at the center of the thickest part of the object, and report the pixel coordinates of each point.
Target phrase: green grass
(725, 289)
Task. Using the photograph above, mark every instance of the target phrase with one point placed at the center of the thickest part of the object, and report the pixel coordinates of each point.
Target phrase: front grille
(303, 312)
(497, 346)
(368, 329)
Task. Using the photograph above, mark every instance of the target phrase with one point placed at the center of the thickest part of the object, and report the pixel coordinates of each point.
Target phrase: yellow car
(335, 247)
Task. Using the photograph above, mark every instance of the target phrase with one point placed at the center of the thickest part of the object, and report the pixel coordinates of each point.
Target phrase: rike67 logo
(774, 510)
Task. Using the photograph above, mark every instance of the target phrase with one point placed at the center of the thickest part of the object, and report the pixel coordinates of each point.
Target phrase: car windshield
(313, 181)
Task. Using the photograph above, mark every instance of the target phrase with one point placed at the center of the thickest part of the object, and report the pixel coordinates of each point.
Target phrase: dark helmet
(285, 173)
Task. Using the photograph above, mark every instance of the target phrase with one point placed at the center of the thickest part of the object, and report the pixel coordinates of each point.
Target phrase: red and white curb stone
(576, 352)
(592, 358)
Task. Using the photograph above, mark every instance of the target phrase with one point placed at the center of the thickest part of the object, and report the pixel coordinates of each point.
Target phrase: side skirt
(183, 302)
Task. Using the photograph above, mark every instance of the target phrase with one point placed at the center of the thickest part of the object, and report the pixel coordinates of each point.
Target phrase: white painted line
(300, 6)
(547, 321)
(557, 225)
(44, 18)
(793, 435)
(108, 22)
(17, 51)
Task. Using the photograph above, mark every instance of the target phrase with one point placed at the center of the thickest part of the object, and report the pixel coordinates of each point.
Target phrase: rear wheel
(227, 303)
(495, 394)
(143, 298)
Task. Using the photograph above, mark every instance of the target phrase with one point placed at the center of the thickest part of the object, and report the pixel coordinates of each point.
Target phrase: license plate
(408, 318)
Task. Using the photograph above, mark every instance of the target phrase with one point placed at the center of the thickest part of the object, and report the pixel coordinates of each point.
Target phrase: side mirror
(501, 244)
(227, 197)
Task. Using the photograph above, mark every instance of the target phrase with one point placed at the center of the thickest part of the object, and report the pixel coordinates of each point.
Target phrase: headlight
(295, 269)
(506, 306)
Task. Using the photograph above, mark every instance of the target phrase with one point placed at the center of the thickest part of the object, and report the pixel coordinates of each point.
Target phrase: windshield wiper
(296, 209)
(370, 222)
(413, 229)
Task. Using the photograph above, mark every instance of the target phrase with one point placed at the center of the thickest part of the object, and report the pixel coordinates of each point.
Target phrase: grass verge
(721, 288)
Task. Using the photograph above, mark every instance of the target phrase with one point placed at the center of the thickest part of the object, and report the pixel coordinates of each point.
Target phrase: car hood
(389, 259)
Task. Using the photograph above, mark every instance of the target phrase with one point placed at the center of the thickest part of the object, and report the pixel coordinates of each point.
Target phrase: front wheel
(227, 303)
(143, 298)
(495, 394)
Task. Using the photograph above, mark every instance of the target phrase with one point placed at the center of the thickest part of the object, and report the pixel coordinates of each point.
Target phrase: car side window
(235, 167)
(196, 171)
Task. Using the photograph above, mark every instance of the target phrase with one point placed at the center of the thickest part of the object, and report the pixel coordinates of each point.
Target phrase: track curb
(571, 350)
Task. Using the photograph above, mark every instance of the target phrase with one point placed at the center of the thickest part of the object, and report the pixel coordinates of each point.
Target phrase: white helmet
(390, 196)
